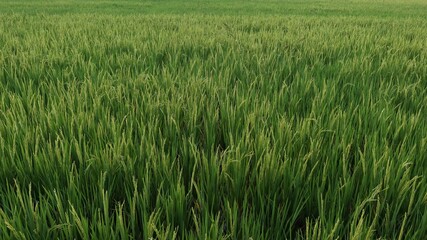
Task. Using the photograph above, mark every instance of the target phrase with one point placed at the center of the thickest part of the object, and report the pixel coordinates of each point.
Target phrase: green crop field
(213, 119)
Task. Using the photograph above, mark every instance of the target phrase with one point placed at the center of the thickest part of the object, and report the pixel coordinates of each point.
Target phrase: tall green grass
(204, 127)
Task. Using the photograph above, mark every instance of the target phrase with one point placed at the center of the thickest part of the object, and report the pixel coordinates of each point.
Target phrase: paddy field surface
(213, 119)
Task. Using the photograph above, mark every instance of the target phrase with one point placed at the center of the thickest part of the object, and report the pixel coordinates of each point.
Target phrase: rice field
(213, 120)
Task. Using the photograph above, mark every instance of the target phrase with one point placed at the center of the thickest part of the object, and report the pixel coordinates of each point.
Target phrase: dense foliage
(207, 127)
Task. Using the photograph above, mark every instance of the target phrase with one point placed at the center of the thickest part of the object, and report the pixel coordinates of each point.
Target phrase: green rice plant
(304, 121)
